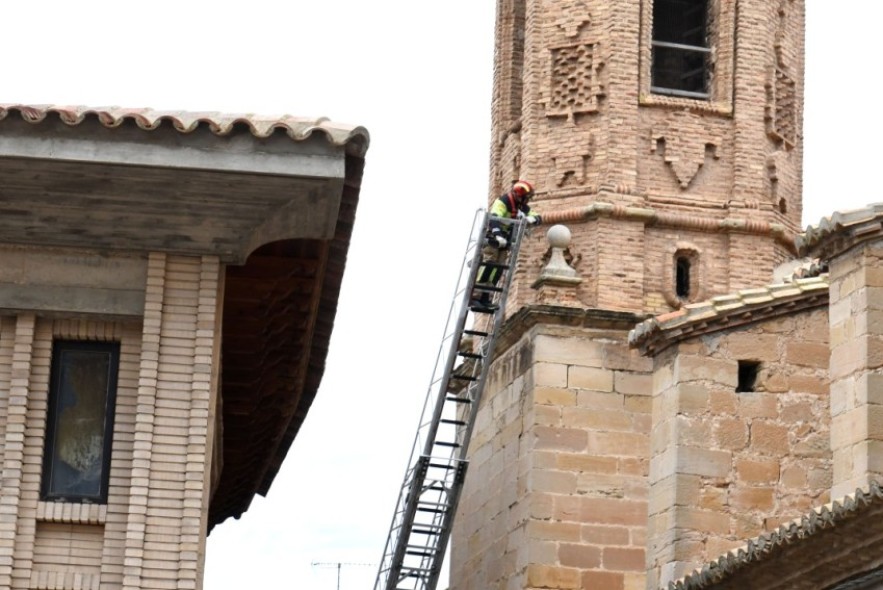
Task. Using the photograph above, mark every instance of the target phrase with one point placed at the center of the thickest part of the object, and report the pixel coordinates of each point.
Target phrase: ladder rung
(459, 400)
(447, 444)
(487, 287)
(426, 531)
(476, 333)
(481, 309)
(421, 553)
(433, 510)
(464, 377)
(456, 422)
(442, 466)
(470, 355)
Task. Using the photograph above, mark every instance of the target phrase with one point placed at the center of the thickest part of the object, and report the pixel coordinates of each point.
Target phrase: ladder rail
(437, 465)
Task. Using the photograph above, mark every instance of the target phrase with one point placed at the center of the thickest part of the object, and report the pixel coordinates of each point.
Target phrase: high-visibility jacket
(507, 207)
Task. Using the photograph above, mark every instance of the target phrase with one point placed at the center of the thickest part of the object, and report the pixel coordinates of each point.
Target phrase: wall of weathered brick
(151, 532)
(727, 465)
(856, 362)
(574, 114)
(556, 495)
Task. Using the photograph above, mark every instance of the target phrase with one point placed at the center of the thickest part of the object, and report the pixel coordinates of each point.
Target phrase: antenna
(338, 564)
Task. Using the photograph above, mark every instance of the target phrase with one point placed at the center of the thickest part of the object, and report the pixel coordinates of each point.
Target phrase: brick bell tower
(667, 136)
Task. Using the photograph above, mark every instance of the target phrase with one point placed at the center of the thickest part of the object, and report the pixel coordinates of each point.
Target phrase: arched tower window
(682, 277)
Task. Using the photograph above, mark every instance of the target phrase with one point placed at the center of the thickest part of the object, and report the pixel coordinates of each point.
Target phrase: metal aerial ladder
(424, 515)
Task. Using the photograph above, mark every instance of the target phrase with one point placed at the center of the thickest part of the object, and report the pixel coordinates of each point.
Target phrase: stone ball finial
(559, 236)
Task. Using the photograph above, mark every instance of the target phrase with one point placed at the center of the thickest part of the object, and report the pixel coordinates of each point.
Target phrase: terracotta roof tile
(656, 334)
(767, 547)
(821, 239)
(297, 128)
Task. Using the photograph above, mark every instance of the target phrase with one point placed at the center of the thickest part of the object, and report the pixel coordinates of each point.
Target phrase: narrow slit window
(682, 277)
(680, 48)
(748, 371)
(79, 429)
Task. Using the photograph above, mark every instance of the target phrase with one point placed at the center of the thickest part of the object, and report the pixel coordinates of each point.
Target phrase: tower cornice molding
(654, 217)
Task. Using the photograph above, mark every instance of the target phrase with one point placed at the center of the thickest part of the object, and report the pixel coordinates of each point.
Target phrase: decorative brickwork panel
(685, 152)
(571, 16)
(573, 86)
(783, 108)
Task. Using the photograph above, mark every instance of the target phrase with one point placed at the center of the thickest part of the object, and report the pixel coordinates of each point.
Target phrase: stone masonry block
(752, 498)
(769, 438)
(552, 481)
(731, 434)
(808, 354)
(674, 490)
(755, 404)
(568, 351)
(590, 378)
(694, 368)
(563, 439)
(580, 462)
(752, 346)
(692, 398)
(553, 531)
(603, 420)
(550, 375)
(757, 470)
(579, 556)
(700, 461)
(606, 535)
(633, 383)
(603, 579)
(869, 389)
(623, 559)
(623, 444)
(599, 400)
(544, 576)
(707, 521)
(555, 396)
(621, 357)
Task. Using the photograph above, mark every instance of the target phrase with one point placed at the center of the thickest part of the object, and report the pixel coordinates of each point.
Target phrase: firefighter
(515, 204)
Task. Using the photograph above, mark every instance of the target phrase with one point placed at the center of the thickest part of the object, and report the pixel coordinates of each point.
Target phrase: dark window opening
(680, 48)
(79, 426)
(682, 277)
(748, 371)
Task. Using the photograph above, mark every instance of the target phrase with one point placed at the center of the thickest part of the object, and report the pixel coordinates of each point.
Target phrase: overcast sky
(418, 76)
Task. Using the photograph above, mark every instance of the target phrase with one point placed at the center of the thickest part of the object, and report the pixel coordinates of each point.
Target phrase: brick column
(174, 425)
(14, 443)
(856, 323)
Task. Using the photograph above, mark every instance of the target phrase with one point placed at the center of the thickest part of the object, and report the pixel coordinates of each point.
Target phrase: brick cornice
(653, 217)
(532, 315)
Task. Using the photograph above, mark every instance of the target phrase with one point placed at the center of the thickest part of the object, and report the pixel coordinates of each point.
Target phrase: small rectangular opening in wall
(748, 371)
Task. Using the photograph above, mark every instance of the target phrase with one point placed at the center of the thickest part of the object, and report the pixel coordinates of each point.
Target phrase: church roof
(185, 122)
(838, 232)
(726, 311)
(817, 550)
